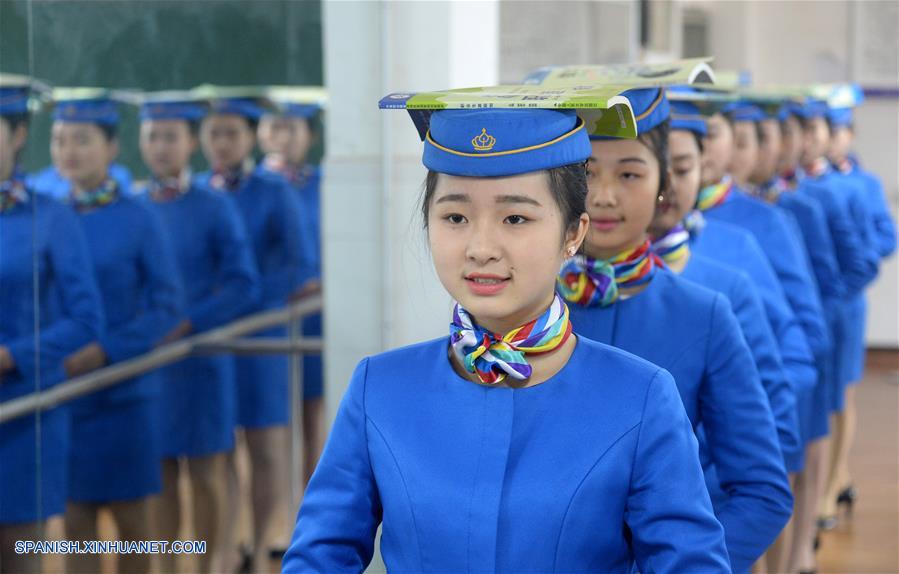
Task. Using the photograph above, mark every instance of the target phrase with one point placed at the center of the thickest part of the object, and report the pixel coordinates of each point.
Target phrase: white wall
(380, 287)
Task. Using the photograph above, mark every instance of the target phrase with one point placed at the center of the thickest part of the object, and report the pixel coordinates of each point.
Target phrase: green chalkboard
(158, 45)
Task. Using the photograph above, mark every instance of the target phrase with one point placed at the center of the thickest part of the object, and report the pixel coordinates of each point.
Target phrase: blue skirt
(813, 406)
(263, 389)
(115, 453)
(196, 407)
(313, 371)
(856, 320)
(21, 470)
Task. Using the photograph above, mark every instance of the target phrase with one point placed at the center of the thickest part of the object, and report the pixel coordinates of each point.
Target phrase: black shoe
(277, 553)
(847, 497)
(246, 562)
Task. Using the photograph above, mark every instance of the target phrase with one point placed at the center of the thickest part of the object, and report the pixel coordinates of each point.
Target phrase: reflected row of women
(95, 270)
(676, 399)
(651, 362)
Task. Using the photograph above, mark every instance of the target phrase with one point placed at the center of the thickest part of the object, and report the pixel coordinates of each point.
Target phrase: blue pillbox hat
(686, 116)
(503, 142)
(650, 106)
(743, 111)
(295, 110)
(102, 111)
(839, 117)
(244, 107)
(172, 110)
(811, 108)
(14, 100)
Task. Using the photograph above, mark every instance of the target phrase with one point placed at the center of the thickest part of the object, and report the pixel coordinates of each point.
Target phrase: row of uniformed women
(535, 439)
(189, 254)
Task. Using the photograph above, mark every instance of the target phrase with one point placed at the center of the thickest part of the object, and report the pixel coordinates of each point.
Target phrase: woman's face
(166, 146)
(770, 151)
(289, 138)
(227, 140)
(686, 168)
(498, 244)
(746, 152)
(815, 140)
(718, 149)
(622, 191)
(11, 141)
(791, 148)
(840, 143)
(81, 152)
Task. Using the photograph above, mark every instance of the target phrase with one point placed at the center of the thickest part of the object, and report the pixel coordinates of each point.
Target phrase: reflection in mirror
(169, 238)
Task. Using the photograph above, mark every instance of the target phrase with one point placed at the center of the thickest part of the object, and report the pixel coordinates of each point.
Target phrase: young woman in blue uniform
(867, 211)
(215, 260)
(674, 218)
(283, 253)
(728, 244)
(722, 199)
(59, 296)
(840, 120)
(286, 138)
(857, 262)
(621, 295)
(774, 182)
(114, 460)
(496, 475)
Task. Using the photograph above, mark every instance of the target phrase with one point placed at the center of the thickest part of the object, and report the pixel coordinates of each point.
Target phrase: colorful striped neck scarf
(597, 282)
(170, 188)
(493, 357)
(818, 168)
(844, 166)
(106, 193)
(694, 223)
(231, 179)
(768, 192)
(714, 195)
(13, 192)
(673, 247)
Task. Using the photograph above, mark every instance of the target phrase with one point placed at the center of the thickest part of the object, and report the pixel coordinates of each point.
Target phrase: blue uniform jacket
(884, 226)
(70, 316)
(858, 261)
(775, 236)
(135, 270)
(272, 217)
(750, 312)
(220, 283)
(586, 472)
(692, 333)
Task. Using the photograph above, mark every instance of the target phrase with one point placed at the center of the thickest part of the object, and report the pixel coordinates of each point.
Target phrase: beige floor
(868, 541)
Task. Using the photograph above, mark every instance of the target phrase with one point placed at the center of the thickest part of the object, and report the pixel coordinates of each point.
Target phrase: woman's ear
(19, 137)
(575, 236)
(113, 149)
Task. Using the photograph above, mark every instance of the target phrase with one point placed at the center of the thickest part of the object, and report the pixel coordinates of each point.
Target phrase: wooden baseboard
(881, 359)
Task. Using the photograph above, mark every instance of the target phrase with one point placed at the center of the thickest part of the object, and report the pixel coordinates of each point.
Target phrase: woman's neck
(543, 366)
(6, 172)
(604, 254)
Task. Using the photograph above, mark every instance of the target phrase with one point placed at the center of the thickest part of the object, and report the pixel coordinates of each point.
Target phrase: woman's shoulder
(600, 357)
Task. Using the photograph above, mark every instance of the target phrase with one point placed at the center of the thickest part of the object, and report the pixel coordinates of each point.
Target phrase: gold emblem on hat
(483, 141)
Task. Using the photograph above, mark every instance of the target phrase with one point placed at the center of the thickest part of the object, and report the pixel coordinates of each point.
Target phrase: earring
(660, 198)
(572, 250)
